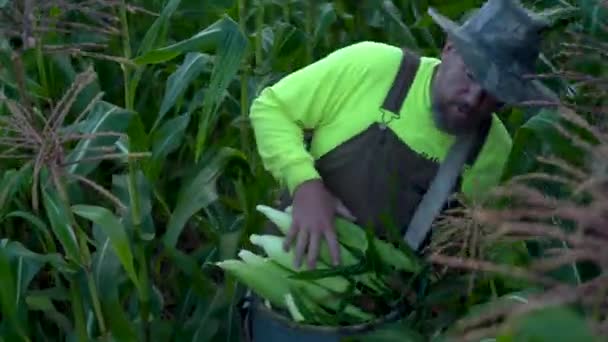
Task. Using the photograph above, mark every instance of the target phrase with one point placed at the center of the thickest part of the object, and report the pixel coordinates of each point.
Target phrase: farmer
(382, 119)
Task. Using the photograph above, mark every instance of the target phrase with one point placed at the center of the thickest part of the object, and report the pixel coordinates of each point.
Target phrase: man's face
(459, 102)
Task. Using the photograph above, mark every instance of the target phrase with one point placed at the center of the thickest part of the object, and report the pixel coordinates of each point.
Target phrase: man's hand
(314, 210)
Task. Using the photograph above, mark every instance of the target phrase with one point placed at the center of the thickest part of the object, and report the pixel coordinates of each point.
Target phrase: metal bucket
(261, 324)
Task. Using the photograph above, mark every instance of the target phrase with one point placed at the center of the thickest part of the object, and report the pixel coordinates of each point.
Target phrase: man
(383, 119)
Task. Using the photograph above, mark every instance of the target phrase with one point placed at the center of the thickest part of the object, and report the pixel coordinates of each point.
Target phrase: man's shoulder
(371, 48)
(375, 59)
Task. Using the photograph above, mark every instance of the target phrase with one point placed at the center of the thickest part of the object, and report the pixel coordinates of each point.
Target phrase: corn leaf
(61, 227)
(164, 141)
(115, 231)
(198, 191)
(120, 188)
(10, 295)
(104, 117)
(229, 54)
(192, 66)
(204, 40)
(157, 33)
(169, 137)
(39, 226)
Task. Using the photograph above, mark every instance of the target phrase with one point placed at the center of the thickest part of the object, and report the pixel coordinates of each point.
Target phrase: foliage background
(128, 163)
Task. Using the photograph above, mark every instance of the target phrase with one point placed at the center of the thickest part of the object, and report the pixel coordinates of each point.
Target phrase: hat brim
(499, 80)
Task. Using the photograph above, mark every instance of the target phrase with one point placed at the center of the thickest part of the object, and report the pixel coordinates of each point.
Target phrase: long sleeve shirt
(339, 96)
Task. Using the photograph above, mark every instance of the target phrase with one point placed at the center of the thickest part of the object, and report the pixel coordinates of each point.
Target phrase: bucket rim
(395, 314)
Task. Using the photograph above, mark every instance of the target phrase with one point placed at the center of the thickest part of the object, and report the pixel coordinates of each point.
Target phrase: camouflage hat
(500, 44)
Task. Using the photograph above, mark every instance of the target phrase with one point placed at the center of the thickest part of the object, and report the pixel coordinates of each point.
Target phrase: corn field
(128, 170)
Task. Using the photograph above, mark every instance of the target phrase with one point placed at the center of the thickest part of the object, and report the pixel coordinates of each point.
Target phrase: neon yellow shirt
(339, 96)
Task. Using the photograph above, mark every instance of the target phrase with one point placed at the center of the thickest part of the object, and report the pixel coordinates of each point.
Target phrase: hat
(500, 44)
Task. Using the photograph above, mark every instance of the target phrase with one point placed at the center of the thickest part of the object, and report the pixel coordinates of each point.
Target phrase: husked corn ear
(351, 235)
(273, 247)
(262, 275)
(283, 221)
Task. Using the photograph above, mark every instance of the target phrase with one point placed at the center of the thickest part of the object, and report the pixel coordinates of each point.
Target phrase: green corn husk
(283, 221)
(317, 297)
(273, 282)
(353, 236)
(293, 309)
(272, 246)
(260, 275)
(322, 292)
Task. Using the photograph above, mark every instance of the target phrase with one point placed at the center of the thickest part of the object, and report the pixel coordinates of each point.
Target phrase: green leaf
(34, 261)
(169, 137)
(336, 271)
(548, 324)
(61, 226)
(407, 37)
(199, 282)
(327, 17)
(198, 192)
(120, 188)
(41, 302)
(205, 40)
(103, 118)
(229, 55)
(156, 34)
(138, 139)
(39, 226)
(10, 295)
(594, 16)
(155, 37)
(191, 68)
(107, 267)
(13, 181)
(115, 232)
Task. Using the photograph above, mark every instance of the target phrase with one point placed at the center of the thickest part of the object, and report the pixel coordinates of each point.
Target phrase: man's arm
(305, 99)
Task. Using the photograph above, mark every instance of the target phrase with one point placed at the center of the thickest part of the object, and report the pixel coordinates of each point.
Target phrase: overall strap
(465, 150)
(402, 82)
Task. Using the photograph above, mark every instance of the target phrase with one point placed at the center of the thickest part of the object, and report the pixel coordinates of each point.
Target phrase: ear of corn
(273, 248)
(260, 277)
(351, 235)
(323, 290)
(315, 297)
(283, 221)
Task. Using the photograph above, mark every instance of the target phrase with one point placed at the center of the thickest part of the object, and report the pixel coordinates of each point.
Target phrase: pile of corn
(326, 295)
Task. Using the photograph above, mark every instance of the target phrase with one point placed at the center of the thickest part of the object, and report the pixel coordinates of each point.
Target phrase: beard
(451, 123)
